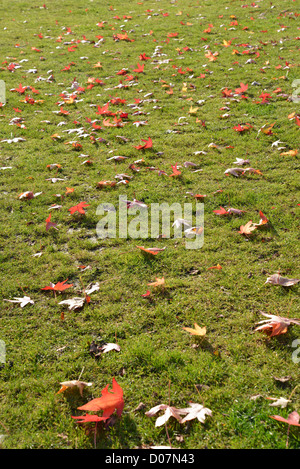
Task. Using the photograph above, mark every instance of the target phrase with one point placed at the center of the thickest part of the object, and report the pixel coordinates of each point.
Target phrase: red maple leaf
(226, 93)
(108, 402)
(89, 418)
(79, 208)
(242, 128)
(222, 211)
(242, 89)
(49, 223)
(122, 72)
(148, 144)
(104, 110)
(147, 294)
(21, 89)
(34, 90)
(59, 286)
(176, 172)
(96, 126)
(144, 57)
(265, 97)
(63, 111)
(139, 69)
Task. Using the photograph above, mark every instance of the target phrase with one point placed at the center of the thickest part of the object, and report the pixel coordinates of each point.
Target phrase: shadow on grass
(114, 433)
(204, 345)
(281, 341)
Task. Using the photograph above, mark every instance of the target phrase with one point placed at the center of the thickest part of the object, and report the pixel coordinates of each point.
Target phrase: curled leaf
(276, 279)
(293, 419)
(80, 385)
(275, 325)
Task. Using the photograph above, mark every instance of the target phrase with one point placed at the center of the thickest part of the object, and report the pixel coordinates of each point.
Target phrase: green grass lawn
(196, 54)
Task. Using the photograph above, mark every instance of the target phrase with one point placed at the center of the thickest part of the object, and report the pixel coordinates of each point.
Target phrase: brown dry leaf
(276, 279)
(235, 211)
(234, 171)
(284, 379)
(194, 411)
(169, 412)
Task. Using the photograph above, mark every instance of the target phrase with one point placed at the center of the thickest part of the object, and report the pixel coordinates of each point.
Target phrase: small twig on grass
(168, 435)
(81, 373)
(293, 391)
(199, 395)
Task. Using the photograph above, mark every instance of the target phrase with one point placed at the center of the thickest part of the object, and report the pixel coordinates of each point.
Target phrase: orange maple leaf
(148, 144)
(59, 286)
(139, 69)
(79, 208)
(69, 190)
(108, 402)
(176, 172)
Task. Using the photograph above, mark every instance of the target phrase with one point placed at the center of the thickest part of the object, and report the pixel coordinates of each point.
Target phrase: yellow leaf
(159, 282)
(200, 331)
(193, 110)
